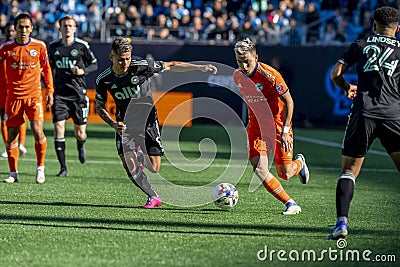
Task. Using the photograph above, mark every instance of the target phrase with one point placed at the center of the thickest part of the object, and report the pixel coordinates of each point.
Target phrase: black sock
(59, 144)
(344, 194)
(140, 180)
(80, 143)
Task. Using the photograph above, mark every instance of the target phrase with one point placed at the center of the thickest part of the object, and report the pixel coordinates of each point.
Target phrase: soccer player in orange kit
(10, 32)
(267, 95)
(25, 59)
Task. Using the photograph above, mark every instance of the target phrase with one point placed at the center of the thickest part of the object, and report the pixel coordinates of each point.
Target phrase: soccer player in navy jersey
(71, 60)
(136, 124)
(375, 112)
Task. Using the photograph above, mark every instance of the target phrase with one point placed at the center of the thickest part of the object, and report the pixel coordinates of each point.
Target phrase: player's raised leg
(272, 185)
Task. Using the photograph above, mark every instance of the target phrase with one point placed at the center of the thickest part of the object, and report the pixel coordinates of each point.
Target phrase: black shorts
(64, 109)
(150, 143)
(361, 132)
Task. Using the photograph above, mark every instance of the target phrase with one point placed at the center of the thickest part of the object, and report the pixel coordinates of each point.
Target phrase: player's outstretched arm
(178, 66)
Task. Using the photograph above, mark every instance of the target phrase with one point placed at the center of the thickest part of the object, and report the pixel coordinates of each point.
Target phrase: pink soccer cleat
(152, 202)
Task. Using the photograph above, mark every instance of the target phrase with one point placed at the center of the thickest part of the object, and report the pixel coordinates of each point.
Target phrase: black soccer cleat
(82, 154)
(63, 172)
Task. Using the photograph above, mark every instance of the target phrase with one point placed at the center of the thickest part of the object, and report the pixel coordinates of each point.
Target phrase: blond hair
(244, 46)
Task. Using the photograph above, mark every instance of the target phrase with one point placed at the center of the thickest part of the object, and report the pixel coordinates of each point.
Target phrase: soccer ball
(225, 195)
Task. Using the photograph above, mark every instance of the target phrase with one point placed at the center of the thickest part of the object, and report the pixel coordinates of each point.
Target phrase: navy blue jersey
(62, 58)
(377, 58)
(131, 89)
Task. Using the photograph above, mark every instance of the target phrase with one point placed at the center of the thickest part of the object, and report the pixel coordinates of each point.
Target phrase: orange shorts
(16, 108)
(263, 146)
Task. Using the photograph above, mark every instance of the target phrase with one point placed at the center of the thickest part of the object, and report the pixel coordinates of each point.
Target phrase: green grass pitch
(92, 217)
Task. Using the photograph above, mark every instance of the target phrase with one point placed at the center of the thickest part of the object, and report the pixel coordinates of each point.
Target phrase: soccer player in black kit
(136, 124)
(71, 59)
(375, 112)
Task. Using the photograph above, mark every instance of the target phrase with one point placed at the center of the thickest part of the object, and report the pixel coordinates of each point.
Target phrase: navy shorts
(362, 131)
(78, 110)
(149, 142)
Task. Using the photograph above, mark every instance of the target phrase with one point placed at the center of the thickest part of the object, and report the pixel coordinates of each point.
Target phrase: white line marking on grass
(300, 138)
(333, 144)
(216, 165)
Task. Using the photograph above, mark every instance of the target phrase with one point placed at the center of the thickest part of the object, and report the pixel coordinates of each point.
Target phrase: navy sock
(344, 194)
(59, 144)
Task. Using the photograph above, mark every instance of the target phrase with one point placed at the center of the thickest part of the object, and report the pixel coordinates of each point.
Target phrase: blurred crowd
(284, 22)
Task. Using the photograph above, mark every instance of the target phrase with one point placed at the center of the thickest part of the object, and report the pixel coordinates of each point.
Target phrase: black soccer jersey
(377, 58)
(131, 89)
(62, 58)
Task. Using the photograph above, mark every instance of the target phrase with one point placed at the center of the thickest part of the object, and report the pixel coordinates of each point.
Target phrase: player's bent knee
(155, 169)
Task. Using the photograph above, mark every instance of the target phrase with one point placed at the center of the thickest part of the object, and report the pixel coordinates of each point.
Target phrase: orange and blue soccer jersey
(24, 64)
(262, 92)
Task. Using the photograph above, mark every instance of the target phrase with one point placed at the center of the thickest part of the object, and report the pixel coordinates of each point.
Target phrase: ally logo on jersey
(127, 92)
(65, 63)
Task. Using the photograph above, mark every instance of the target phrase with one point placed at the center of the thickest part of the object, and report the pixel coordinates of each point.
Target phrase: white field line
(333, 144)
(299, 138)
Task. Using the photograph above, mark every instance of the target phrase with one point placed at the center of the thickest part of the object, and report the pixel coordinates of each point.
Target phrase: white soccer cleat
(4, 154)
(40, 178)
(291, 208)
(304, 172)
(11, 180)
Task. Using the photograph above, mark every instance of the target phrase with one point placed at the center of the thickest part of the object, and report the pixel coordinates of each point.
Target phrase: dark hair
(387, 16)
(7, 29)
(121, 45)
(67, 17)
(22, 15)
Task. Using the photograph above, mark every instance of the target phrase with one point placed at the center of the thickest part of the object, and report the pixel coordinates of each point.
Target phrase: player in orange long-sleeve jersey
(269, 130)
(10, 35)
(25, 58)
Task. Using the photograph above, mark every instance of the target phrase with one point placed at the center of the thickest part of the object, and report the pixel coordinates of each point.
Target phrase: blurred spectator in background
(91, 27)
(219, 30)
(312, 19)
(191, 18)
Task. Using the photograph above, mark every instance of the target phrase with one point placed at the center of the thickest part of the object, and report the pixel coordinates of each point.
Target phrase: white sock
(41, 168)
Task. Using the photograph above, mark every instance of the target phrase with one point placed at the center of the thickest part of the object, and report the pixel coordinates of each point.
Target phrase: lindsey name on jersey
(62, 59)
(130, 88)
(377, 59)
